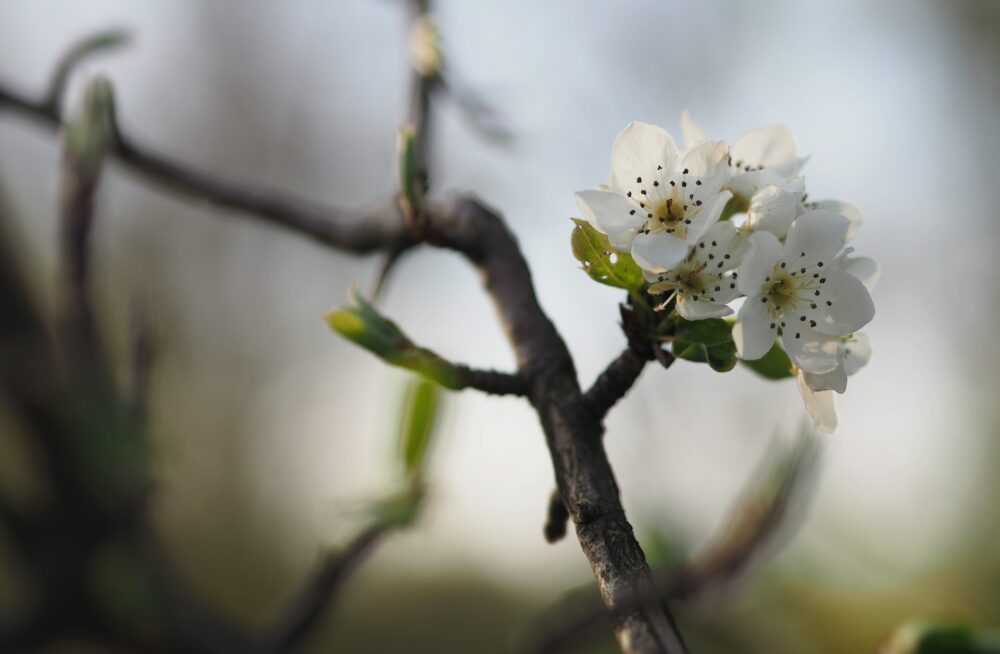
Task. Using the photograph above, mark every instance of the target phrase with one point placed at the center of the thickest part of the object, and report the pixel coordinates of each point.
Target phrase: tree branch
(359, 232)
(753, 522)
(583, 474)
(614, 382)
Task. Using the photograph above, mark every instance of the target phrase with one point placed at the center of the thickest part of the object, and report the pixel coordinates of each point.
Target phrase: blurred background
(270, 432)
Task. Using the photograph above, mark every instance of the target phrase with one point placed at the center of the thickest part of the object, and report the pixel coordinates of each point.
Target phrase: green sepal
(773, 365)
(705, 341)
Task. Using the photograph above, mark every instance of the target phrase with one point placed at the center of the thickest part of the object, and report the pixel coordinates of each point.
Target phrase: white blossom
(701, 284)
(660, 201)
(853, 353)
(765, 156)
(787, 256)
(801, 290)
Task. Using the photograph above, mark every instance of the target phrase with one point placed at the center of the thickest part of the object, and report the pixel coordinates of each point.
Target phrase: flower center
(667, 214)
(782, 291)
(686, 279)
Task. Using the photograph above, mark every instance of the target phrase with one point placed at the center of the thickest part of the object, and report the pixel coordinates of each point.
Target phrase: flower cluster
(711, 224)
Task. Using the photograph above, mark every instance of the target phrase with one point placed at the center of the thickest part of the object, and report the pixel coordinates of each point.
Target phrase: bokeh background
(271, 432)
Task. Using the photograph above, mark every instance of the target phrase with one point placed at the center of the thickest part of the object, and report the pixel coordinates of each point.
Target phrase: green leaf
(773, 365)
(363, 325)
(418, 420)
(921, 638)
(593, 250)
(706, 341)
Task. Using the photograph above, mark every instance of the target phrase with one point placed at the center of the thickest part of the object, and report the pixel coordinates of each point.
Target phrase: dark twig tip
(557, 518)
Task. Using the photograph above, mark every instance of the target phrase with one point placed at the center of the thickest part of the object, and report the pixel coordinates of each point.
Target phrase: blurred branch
(574, 437)
(388, 264)
(753, 523)
(353, 231)
(320, 591)
(142, 350)
(478, 113)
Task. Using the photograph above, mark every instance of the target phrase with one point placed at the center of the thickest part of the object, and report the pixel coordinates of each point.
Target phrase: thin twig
(614, 382)
(320, 591)
(358, 232)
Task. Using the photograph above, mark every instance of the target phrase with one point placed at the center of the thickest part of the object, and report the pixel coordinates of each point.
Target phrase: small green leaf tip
(363, 325)
(599, 260)
(773, 365)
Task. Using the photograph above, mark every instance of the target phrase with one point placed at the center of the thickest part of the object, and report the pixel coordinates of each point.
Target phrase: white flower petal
(658, 252)
(707, 215)
(809, 349)
(699, 309)
(747, 183)
(820, 234)
(721, 239)
(611, 214)
(849, 211)
(849, 306)
(819, 405)
(708, 163)
(752, 332)
(770, 147)
(835, 380)
(773, 209)
(758, 262)
(864, 269)
(638, 150)
(692, 132)
(858, 351)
